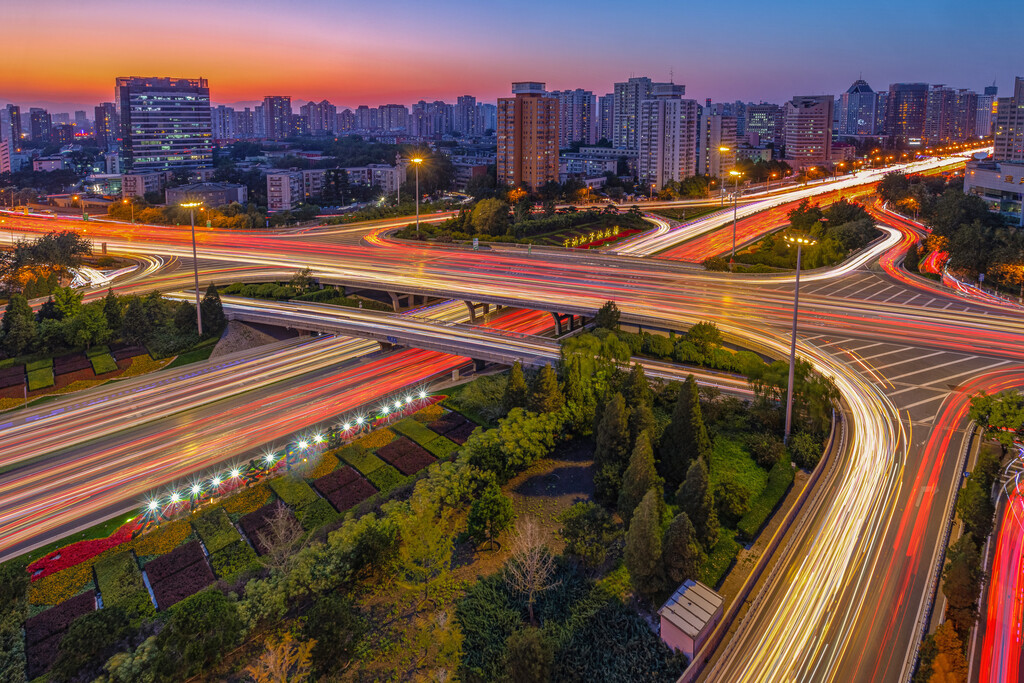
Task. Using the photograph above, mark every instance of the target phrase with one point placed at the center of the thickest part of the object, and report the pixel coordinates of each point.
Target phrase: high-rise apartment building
(627, 99)
(858, 110)
(243, 127)
(10, 125)
(62, 134)
(322, 117)
(807, 125)
(346, 121)
(527, 136)
(985, 114)
(604, 118)
(394, 118)
(1009, 126)
(6, 147)
(165, 123)
(575, 116)
(223, 123)
(668, 137)
(277, 117)
(766, 120)
(950, 115)
(464, 120)
(905, 111)
(40, 123)
(716, 143)
(487, 118)
(107, 125)
(367, 119)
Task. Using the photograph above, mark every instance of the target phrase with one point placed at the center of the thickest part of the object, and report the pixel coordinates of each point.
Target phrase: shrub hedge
(415, 431)
(215, 529)
(230, 562)
(780, 478)
(293, 491)
(102, 363)
(119, 580)
(40, 379)
(315, 514)
(385, 478)
(40, 364)
(360, 458)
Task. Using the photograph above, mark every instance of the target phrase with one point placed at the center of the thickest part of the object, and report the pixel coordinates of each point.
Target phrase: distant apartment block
(527, 136)
(668, 137)
(138, 184)
(905, 111)
(277, 117)
(716, 141)
(575, 117)
(284, 190)
(1009, 126)
(807, 125)
(107, 125)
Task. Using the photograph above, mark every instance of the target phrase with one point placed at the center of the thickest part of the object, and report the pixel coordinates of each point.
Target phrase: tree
(489, 515)
(639, 478)
(490, 217)
(715, 264)
(283, 661)
(67, 301)
(949, 664)
(529, 656)
(681, 550)
(135, 328)
(200, 629)
(426, 550)
(686, 438)
(112, 311)
(643, 545)
(766, 448)
(641, 419)
(732, 500)
(334, 625)
(588, 530)
(281, 539)
(516, 393)
(89, 642)
(961, 581)
(545, 396)
(611, 451)
(637, 391)
(580, 402)
(530, 568)
(976, 509)
(18, 326)
(212, 312)
(697, 501)
(607, 316)
(706, 337)
(88, 327)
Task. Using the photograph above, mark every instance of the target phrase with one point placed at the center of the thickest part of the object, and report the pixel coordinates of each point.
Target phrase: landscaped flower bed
(461, 433)
(352, 494)
(179, 574)
(248, 500)
(119, 580)
(376, 439)
(415, 431)
(385, 478)
(292, 490)
(448, 422)
(215, 529)
(315, 514)
(441, 447)
(76, 553)
(361, 459)
(44, 631)
(255, 522)
(406, 456)
(162, 539)
(335, 480)
(233, 560)
(325, 464)
(56, 588)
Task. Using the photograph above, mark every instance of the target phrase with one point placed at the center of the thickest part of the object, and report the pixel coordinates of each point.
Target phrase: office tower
(858, 110)
(321, 116)
(487, 118)
(628, 97)
(668, 137)
(393, 117)
(739, 110)
(1009, 126)
(223, 123)
(107, 126)
(465, 119)
(905, 111)
(243, 126)
(165, 123)
(766, 121)
(277, 117)
(985, 114)
(528, 136)
(716, 141)
(604, 118)
(807, 125)
(10, 125)
(575, 116)
(81, 123)
(40, 123)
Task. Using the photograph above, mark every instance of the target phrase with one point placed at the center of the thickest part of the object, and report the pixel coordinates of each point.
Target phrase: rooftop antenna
(671, 75)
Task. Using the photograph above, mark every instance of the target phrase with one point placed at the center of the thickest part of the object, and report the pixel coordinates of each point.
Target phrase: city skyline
(567, 50)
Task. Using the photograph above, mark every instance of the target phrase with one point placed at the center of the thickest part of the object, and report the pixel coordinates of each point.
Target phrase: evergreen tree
(643, 546)
(530, 655)
(949, 663)
(637, 391)
(516, 393)
(961, 582)
(611, 451)
(580, 403)
(19, 326)
(607, 316)
(545, 396)
(641, 419)
(686, 438)
(639, 478)
(697, 501)
(682, 551)
(49, 311)
(489, 515)
(112, 311)
(212, 312)
(135, 328)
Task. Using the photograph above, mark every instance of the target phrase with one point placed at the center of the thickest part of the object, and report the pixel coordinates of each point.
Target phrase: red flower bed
(339, 478)
(412, 463)
(44, 631)
(353, 494)
(447, 423)
(185, 582)
(255, 522)
(400, 448)
(461, 433)
(72, 554)
(164, 566)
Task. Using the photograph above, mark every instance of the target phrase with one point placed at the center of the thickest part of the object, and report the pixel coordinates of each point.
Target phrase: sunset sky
(65, 55)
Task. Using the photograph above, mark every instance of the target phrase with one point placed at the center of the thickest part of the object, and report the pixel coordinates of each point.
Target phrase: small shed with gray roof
(689, 617)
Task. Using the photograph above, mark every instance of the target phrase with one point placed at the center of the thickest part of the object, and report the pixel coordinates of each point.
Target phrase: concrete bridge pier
(472, 310)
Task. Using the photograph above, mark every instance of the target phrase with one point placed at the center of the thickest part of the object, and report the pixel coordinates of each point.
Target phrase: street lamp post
(799, 242)
(768, 181)
(652, 192)
(417, 161)
(720, 150)
(81, 204)
(132, 204)
(735, 197)
(191, 206)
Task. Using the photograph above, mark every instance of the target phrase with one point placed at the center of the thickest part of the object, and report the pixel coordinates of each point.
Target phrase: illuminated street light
(423, 394)
(234, 474)
(360, 420)
(175, 497)
(269, 458)
(735, 195)
(196, 489)
(132, 204)
(318, 438)
(799, 242)
(215, 482)
(347, 426)
(153, 505)
(191, 206)
(417, 161)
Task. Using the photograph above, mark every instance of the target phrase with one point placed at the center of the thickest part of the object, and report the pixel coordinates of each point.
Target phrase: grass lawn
(687, 214)
(193, 355)
(730, 460)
